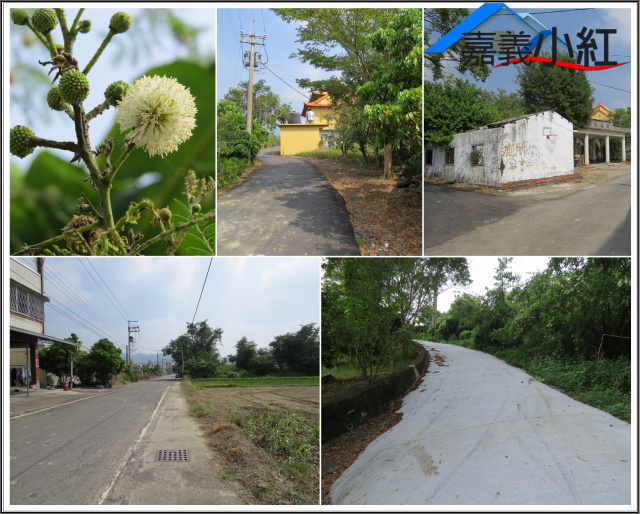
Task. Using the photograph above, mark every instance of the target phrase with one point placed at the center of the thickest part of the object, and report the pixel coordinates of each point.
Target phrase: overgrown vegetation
(370, 306)
(292, 438)
(569, 326)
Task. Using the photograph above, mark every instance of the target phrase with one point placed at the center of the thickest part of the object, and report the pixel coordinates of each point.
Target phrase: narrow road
(595, 221)
(86, 451)
(480, 432)
(285, 207)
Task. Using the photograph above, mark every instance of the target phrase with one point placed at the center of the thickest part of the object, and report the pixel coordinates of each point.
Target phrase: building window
(451, 156)
(477, 155)
(25, 302)
(428, 160)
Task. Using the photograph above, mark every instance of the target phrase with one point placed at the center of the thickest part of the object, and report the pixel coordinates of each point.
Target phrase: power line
(103, 291)
(54, 278)
(302, 94)
(205, 281)
(107, 286)
(604, 85)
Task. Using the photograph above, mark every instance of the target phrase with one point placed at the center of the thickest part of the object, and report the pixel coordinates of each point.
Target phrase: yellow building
(304, 137)
(600, 112)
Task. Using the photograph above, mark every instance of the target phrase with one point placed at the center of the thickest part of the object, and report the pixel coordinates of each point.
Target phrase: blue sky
(118, 62)
(259, 298)
(280, 43)
(570, 18)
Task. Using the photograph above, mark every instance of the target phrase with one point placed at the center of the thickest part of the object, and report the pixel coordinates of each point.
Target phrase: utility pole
(252, 41)
(130, 330)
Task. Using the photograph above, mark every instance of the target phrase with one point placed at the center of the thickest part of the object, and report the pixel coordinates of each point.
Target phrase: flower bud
(19, 137)
(19, 16)
(164, 215)
(84, 26)
(116, 91)
(73, 87)
(44, 20)
(120, 22)
(53, 99)
(196, 208)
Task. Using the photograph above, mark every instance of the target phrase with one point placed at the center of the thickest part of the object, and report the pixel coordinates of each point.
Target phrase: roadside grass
(293, 439)
(271, 456)
(254, 381)
(605, 385)
(334, 153)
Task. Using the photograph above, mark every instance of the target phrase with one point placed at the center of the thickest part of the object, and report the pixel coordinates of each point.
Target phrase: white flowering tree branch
(157, 114)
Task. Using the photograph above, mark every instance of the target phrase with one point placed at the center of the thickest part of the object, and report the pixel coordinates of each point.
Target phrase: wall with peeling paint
(530, 148)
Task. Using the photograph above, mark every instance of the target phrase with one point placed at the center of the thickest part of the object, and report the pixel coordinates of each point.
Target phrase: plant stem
(95, 224)
(104, 44)
(51, 45)
(98, 109)
(39, 35)
(76, 20)
(211, 215)
(109, 177)
(48, 143)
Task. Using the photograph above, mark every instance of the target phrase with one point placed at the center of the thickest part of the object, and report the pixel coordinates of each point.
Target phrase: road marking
(49, 408)
(63, 404)
(131, 449)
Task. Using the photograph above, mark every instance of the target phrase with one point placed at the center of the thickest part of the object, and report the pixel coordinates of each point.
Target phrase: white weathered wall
(527, 152)
(489, 174)
(435, 170)
(518, 151)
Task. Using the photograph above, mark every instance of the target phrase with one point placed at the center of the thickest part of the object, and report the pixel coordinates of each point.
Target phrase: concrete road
(285, 207)
(592, 222)
(480, 432)
(89, 448)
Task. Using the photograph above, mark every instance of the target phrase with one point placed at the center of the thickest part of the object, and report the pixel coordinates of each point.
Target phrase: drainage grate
(173, 408)
(172, 456)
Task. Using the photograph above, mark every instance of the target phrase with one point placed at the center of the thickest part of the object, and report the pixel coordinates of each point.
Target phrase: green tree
(508, 105)
(565, 90)
(445, 273)
(393, 96)
(196, 351)
(298, 352)
(84, 369)
(437, 22)
(454, 106)
(106, 361)
(263, 363)
(621, 118)
(245, 352)
(335, 40)
(267, 108)
(56, 358)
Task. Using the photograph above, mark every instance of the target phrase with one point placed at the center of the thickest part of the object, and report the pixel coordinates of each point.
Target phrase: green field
(257, 381)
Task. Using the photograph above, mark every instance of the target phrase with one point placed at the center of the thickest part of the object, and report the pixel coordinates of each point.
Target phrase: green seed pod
(84, 26)
(73, 87)
(53, 99)
(120, 22)
(196, 208)
(45, 20)
(164, 215)
(19, 16)
(19, 137)
(115, 91)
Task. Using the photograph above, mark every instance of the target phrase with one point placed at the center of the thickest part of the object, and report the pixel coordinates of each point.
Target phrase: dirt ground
(282, 398)
(255, 475)
(386, 220)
